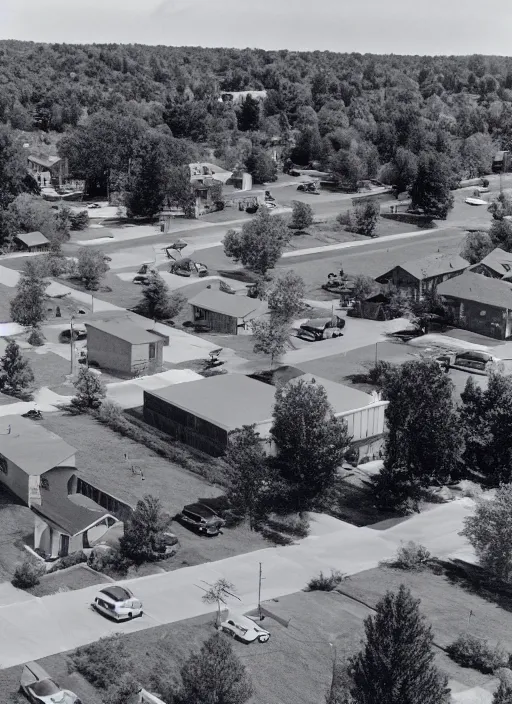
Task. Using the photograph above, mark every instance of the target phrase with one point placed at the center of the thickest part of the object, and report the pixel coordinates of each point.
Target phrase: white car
(39, 688)
(117, 603)
(245, 629)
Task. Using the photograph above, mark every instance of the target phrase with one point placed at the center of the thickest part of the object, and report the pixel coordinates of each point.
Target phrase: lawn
(6, 295)
(16, 528)
(70, 579)
(101, 460)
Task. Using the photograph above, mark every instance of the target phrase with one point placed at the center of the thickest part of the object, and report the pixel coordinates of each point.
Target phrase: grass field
(16, 526)
(70, 579)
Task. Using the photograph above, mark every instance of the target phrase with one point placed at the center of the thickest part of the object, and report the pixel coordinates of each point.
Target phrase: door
(64, 545)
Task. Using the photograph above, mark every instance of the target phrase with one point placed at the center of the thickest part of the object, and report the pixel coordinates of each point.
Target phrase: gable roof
(32, 239)
(498, 260)
(428, 267)
(30, 446)
(481, 289)
(124, 330)
(228, 304)
(47, 161)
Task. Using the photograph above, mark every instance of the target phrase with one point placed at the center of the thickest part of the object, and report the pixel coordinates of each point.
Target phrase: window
(152, 350)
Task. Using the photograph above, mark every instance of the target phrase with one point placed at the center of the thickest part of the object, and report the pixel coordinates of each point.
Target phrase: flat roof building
(225, 312)
(123, 346)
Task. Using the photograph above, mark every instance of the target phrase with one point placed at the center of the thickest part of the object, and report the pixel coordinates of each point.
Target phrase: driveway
(36, 628)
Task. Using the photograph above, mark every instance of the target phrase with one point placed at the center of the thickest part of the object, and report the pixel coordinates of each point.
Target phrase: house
(226, 313)
(32, 241)
(208, 180)
(236, 97)
(480, 304)
(202, 413)
(497, 264)
(372, 308)
(28, 451)
(66, 521)
(48, 170)
(416, 277)
(501, 162)
(122, 346)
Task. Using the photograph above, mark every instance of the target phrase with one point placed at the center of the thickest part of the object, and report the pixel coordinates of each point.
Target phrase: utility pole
(259, 595)
(376, 352)
(72, 345)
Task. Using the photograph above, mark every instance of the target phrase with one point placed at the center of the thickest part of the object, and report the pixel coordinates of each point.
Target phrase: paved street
(37, 627)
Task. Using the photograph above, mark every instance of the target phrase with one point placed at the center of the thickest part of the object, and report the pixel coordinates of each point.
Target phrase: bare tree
(218, 593)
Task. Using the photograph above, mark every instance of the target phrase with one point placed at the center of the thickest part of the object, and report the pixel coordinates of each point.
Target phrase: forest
(126, 113)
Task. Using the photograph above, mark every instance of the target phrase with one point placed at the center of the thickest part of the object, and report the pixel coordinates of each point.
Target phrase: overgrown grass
(325, 582)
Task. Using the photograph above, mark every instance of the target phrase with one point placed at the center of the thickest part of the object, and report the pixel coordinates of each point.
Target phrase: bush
(410, 556)
(36, 338)
(79, 221)
(470, 651)
(109, 561)
(298, 526)
(27, 575)
(102, 663)
(275, 537)
(376, 372)
(75, 558)
(324, 582)
(485, 182)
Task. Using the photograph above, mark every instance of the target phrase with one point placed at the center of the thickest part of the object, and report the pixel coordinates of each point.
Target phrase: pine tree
(16, 376)
(27, 307)
(214, 674)
(143, 533)
(157, 302)
(396, 664)
(90, 391)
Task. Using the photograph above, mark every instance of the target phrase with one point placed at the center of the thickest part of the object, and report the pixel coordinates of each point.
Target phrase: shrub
(109, 561)
(275, 537)
(410, 556)
(75, 558)
(79, 221)
(27, 575)
(102, 661)
(298, 526)
(470, 651)
(376, 372)
(324, 582)
(485, 182)
(36, 338)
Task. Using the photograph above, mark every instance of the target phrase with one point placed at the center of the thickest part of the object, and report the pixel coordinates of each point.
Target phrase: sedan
(244, 629)
(37, 685)
(79, 333)
(117, 603)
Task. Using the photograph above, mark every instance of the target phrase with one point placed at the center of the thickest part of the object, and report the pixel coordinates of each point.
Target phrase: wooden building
(226, 313)
(416, 277)
(32, 241)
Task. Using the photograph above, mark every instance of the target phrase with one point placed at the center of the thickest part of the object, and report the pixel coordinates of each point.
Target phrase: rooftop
(32, 239)
(30, 446)
(478, 288)
(498, 260)
(74, 512)
(124, 330)
(342, 398)
(428, 267)
(227, 303)
(47, 161)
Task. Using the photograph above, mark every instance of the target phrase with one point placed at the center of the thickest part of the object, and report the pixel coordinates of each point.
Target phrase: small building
(416, 277)
(122, 346)
(480, 304)
(32, 241)
(66, 521)
(226, 313)
(501, 162)
(497, 264)
(27, 451)
(202, 413)
(236, 97)
(373, 308)
(48, 170)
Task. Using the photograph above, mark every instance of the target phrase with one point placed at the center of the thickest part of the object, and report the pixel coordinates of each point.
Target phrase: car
(201, 518)
(94, 205)
(475, 359)
(79, 333)
(318, 329)
(39, 688)
(244, 629)
(117, 603)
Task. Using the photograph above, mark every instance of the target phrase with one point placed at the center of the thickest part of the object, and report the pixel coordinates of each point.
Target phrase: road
(37, 627)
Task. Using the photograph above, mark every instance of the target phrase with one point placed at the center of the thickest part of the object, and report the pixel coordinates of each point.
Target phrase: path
(38, 627)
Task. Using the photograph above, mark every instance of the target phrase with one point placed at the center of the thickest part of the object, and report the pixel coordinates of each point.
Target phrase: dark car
(79, 333)
(201, 518)
(317, 329)
(474, 359)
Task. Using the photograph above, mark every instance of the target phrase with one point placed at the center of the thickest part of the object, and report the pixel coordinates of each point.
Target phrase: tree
(476, 246)
(396, 664)
(310, 440)
(477, 153)
(16, 376)
(13, 168)
(501, 234)
(143, 532)
(157, 302)
(218, 593)
(261, 166)
(486, 420)
(489, 530)
(308, 146)
(29, 213)
(302, 215)
(430, 191)
(367, 215)
(247, 473)
(91, 267)
(501, 206)
(215, 675)
(401, 171)
(90, 391)
(423, 438)
(285, 297)
(270, 337)
(149, 181)
(503, 695)
(348, 167)
(249, 115)
(363, 287)
(260, 243)
(28, 305)
(180, 192)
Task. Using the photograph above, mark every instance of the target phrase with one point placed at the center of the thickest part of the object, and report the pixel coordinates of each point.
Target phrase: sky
(366, 26)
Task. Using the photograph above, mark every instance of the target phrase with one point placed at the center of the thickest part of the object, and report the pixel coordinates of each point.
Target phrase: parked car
(79, 333)
(474, 359)
(244, 629)
(93, 206)
(201, 518)
(444, 361)
(39, 688)
(118, 603)
(318, 329)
